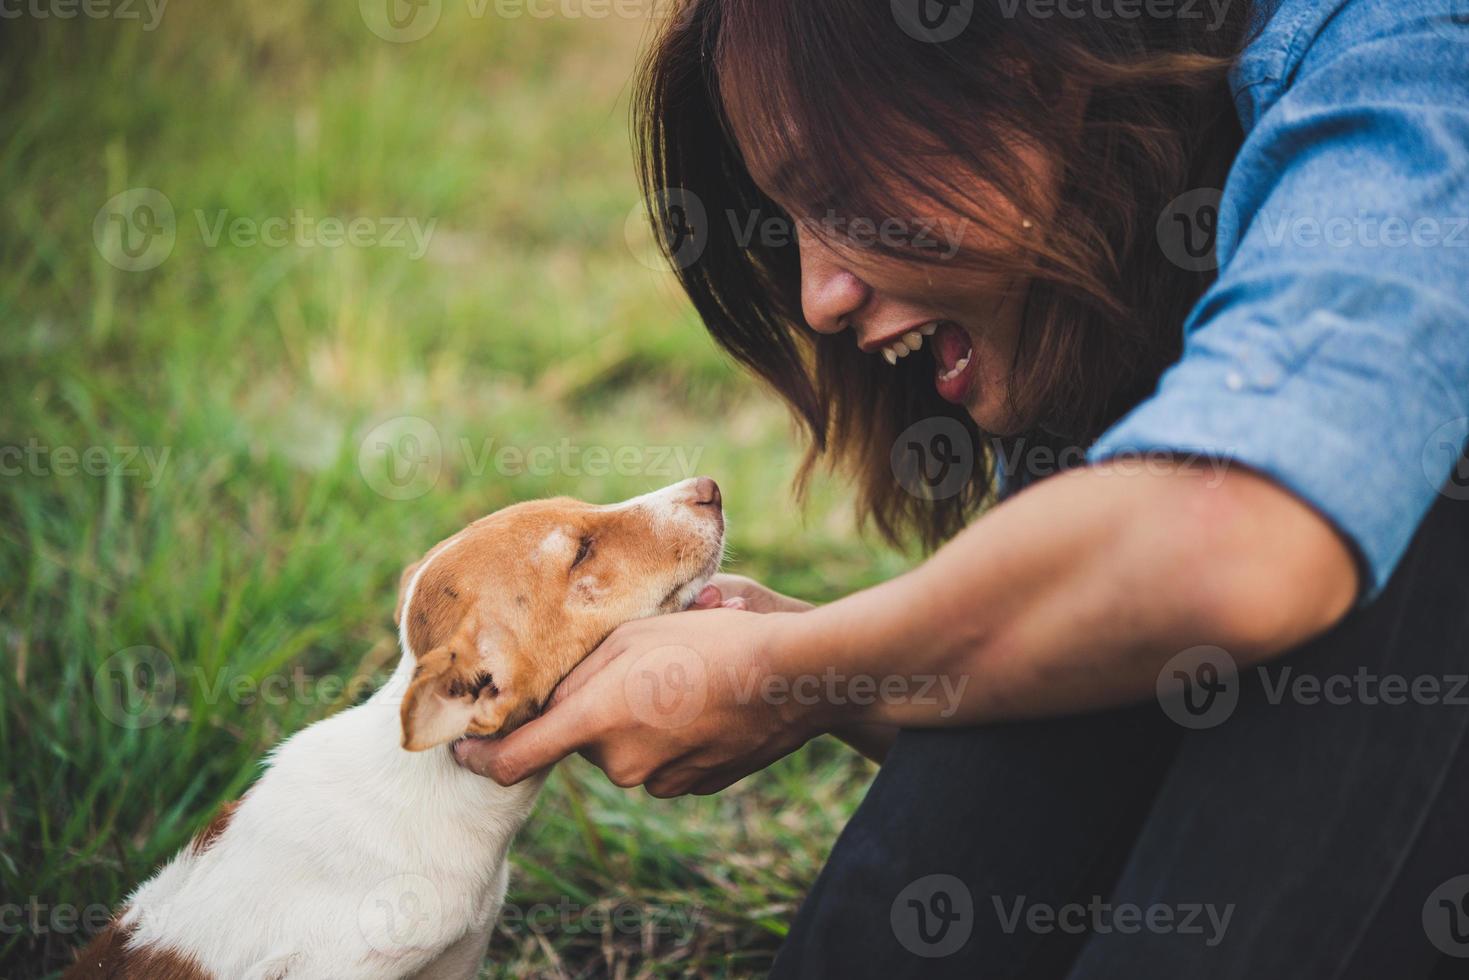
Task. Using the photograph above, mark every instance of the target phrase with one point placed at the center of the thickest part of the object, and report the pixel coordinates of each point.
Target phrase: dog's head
(496, 615)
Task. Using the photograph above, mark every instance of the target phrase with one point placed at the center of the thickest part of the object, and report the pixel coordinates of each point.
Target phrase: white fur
(348, 858)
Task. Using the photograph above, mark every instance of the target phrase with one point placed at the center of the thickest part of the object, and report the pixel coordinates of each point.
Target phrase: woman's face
(966, 329)
(965, 325)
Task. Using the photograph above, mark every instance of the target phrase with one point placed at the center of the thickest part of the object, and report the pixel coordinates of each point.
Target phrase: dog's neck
(366, 742)
(342, 802)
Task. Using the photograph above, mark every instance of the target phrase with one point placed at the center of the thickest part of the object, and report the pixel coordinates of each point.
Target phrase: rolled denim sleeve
(1332, 353)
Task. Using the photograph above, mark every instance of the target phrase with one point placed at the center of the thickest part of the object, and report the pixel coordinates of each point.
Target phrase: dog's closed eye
(583, 551)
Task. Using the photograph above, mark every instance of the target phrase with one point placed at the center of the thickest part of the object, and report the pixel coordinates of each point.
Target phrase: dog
(364, 850)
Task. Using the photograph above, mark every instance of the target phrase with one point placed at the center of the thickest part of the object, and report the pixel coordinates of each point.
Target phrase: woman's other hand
(740, 592)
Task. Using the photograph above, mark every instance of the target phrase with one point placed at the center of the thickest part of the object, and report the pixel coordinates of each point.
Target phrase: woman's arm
(1074, 594)
(1070, 596)
(739, 591)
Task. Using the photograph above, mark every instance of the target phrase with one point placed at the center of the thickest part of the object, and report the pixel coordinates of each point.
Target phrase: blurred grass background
(261, 545)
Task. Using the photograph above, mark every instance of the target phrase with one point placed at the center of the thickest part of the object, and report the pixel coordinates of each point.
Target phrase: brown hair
(872, 111)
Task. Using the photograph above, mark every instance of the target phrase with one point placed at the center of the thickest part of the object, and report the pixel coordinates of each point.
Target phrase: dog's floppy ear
(451, 695)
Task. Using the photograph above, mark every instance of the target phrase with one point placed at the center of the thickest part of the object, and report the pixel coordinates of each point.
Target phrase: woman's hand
(739, 592)
(679, 703)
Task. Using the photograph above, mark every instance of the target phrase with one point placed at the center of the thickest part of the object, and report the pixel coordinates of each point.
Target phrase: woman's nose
(829, 293)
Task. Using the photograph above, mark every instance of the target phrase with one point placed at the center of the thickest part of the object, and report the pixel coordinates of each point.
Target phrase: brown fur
(492, 657)
(215, 827)
(107, 955)
(108, 958)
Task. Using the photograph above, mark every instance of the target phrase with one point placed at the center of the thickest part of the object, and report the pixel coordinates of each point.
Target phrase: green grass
(260, 546)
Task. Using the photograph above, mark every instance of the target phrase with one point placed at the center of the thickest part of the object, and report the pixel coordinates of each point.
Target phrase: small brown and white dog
(360, 854)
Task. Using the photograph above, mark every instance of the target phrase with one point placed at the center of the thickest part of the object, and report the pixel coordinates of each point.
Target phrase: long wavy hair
(871, 108)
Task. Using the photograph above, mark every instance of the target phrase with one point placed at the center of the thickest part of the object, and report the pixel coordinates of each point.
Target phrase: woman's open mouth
(953, 362)
(953, 356)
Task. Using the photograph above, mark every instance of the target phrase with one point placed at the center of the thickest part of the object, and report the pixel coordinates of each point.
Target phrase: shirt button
(1234, 381)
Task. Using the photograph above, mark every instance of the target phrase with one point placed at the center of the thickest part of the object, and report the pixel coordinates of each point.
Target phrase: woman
(995, 262)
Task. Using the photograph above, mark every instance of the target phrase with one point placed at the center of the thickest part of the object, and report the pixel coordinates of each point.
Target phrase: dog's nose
(706, 492)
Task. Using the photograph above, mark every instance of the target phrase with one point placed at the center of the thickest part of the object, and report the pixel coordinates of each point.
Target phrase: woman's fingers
(712, 598)
(532, 747)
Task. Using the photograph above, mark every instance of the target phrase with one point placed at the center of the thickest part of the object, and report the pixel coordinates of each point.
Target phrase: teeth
(954, 371)
(908, 343)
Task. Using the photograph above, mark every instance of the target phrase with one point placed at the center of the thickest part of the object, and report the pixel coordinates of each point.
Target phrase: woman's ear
(450, 696)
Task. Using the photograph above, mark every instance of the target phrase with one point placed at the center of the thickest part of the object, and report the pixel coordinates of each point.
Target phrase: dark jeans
(1097, 846)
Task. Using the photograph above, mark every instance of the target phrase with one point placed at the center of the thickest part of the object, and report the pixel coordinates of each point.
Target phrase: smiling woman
(1114, 739)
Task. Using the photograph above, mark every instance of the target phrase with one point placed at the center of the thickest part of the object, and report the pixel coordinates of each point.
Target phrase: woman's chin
(992, 416)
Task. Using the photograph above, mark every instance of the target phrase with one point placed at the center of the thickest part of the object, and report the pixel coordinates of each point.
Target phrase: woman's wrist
(813, 693)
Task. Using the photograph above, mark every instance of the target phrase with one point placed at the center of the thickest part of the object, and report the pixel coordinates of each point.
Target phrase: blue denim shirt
(1332, 353)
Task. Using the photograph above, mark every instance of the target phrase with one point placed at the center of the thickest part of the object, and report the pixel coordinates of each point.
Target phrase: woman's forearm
(1072, 596)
